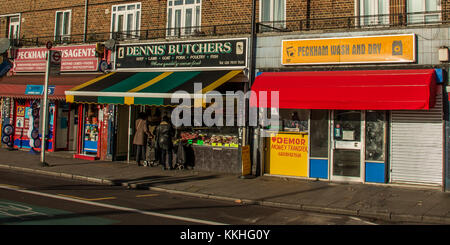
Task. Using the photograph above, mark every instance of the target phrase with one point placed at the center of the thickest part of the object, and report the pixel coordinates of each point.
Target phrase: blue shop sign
(39, 89)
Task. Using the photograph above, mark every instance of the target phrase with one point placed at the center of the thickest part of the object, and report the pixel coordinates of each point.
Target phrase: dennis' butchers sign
(229, 53)
(373, 49)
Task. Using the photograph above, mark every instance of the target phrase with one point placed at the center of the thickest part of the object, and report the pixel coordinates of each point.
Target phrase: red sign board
(73, 58)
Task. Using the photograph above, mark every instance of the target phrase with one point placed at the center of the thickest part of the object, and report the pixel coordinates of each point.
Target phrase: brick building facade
(37, 18)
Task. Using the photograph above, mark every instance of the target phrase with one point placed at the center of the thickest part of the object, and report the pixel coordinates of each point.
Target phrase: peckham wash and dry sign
(373, 49)
(229, 53)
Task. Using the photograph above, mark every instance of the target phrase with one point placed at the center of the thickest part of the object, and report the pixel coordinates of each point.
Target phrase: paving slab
(388, 202)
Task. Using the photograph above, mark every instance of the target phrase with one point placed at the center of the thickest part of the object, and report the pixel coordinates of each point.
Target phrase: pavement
(416, 204)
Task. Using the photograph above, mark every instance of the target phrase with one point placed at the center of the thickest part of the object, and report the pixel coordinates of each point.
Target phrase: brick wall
(223, 12)
(38, 16)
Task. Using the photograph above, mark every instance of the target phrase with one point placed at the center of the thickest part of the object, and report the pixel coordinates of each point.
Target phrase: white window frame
(421, 18)
(172, 29)
(373, 11)
(63, 37)
(136, 27)
(272, 6)
(16, 25)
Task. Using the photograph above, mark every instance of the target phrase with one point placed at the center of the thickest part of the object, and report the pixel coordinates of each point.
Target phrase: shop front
(149, 77)
(24, 87)
(21, 112)
(365, 109)
(374, 126)
(22, 91)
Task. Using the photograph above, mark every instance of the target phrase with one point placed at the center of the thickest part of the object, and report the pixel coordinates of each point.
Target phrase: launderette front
(361, 125)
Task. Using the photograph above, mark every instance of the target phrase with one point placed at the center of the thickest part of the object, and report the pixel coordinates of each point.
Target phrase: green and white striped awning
(146, 88)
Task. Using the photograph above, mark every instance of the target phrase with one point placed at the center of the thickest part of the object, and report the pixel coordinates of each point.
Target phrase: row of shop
(374, 126)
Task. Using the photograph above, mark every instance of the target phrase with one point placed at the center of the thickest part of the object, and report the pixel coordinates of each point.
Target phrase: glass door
(347, 145)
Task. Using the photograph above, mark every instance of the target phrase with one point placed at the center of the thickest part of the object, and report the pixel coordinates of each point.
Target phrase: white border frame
(360, 62)
(184, 68)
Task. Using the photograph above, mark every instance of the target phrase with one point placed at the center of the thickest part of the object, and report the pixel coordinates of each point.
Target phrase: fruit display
(195, 137)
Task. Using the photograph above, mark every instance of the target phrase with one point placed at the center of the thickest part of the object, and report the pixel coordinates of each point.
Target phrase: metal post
(45, 111)
(86, 4)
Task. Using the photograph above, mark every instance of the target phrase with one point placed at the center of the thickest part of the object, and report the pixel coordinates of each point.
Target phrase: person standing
(140, 137)
(164, 134)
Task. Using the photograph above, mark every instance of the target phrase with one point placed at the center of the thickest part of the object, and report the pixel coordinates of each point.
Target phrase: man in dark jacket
(164, 134)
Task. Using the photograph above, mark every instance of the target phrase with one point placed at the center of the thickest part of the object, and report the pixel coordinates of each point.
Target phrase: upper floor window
(14, 27)
(273, 13)
(125, 20)
(373, 12)
(62, 25)
(183, 17)
(423, 11)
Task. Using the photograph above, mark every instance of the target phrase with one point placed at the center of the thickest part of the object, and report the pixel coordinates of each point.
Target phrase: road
(39, 200)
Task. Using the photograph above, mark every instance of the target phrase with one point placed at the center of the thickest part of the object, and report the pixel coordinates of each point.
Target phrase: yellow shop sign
(289, 154)
(373, 49)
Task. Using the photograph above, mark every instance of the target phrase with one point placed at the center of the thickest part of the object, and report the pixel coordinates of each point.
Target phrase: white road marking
(361, 220)
(17, 210)
(168, 216)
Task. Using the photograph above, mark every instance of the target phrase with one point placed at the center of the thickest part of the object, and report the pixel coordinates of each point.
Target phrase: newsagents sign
(202, 54)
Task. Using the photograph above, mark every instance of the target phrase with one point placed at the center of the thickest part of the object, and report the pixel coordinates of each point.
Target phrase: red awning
(15, 86)
(349, 90)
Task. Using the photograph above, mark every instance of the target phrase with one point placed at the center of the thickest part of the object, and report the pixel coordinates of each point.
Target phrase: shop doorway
(63, 127)
(346, 145)
(121, 141)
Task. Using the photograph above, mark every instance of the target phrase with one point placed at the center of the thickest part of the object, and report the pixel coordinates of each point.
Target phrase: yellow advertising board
(289, 154)
(373, 49)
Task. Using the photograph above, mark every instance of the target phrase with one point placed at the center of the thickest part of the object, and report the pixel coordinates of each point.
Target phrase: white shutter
(417, 145)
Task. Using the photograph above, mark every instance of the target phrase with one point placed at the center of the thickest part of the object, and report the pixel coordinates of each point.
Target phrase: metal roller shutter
(417, 145)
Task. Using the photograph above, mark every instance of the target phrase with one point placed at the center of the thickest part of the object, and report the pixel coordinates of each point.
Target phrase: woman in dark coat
(164, 134)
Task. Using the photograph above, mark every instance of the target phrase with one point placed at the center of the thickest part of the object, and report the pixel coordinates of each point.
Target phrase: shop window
(272, 13)
(125, 21)
(423, 11)
(375, 135)
(91, 130)
(183, 17)
(294, 120)
(62, 25)
(319, 133)
(374, 12)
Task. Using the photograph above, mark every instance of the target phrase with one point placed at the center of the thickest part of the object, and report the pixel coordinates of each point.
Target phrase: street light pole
(45, 111)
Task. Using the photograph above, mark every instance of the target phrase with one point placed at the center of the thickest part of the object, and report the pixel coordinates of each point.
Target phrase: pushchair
(180, 152)
(151, 153)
